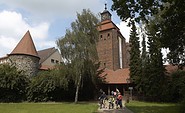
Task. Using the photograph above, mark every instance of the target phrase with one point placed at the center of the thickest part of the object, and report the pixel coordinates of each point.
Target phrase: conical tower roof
(25, 46)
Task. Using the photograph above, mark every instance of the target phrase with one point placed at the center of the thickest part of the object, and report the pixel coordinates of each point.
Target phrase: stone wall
(28, 64)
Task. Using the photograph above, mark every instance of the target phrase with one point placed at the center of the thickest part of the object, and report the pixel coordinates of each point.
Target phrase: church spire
(105, 15)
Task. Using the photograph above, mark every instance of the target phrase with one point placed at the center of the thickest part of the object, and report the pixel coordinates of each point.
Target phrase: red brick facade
(111, 46)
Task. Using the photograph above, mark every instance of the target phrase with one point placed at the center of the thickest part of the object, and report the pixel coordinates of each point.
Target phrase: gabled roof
(25, 46)
(119, 76)
(45, 53)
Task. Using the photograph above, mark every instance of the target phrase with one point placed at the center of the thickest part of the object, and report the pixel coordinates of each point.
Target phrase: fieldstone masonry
(27, 63)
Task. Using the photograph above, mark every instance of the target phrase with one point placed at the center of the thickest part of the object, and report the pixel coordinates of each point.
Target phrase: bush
(175, 89)
(13, 84)
(178, 85)
(46, 86)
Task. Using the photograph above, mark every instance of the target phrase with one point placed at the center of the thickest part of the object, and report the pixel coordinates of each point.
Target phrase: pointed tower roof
(25, 46)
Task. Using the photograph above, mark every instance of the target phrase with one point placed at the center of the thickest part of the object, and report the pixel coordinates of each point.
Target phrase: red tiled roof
(25, 46)
(107, 24)
(172, 68)
(46, 67)
(119, 76)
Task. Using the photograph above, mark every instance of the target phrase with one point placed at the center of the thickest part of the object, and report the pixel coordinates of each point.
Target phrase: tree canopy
(135, 61)
(169, 28)
(78, 48)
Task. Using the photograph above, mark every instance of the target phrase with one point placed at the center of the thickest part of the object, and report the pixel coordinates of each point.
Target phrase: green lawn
(149, 107)
(82, 107)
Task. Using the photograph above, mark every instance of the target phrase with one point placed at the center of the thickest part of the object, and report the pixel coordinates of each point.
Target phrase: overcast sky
(46, 20)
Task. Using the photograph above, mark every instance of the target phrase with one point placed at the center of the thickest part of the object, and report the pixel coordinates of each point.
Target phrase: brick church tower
(111, 46)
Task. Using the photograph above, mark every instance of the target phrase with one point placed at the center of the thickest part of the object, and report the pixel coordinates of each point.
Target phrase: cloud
(41, 17)
(54, 8)
(13, 27)
(125, 30)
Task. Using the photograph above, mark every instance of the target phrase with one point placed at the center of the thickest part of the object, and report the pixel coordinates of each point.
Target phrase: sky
(47, 21)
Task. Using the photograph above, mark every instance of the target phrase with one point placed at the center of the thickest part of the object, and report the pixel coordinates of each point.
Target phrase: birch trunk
(77, 89)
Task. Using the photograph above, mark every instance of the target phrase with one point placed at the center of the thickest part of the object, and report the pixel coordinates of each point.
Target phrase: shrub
(178, 84)
(13, 84)
(45, 86)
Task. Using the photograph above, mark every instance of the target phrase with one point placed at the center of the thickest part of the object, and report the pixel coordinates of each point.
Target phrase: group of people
(114, 99)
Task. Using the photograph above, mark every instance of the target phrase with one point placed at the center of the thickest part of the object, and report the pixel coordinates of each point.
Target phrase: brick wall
(108, 50)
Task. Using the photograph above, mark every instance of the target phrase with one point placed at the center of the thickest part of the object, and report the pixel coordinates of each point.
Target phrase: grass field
(82, 107)
(148, 107)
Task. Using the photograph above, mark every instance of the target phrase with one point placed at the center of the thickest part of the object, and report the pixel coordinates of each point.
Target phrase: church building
(113, 54)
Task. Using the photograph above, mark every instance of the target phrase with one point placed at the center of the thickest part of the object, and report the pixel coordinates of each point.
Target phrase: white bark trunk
(77, 89)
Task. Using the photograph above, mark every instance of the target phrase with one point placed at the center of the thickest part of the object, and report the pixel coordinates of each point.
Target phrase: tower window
(108, 35)
(104, 65)
(101, 36)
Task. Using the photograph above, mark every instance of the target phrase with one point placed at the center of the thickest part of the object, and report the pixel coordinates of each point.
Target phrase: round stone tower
(24, 56)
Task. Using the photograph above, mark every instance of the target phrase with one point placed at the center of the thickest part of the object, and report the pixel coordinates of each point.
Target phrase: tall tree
(171, 27)
(144, 59)
(135, 60)
(144, 53)
(155, 68)
(139, 10)
(78, 48)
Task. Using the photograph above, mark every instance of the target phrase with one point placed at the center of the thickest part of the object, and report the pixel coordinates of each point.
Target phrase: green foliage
(155, 73)
(169, 23)
(78, 48)
(142, 83)
(13, 84)
(172, 32)
(45, 85)
(178, 85)
(177, 88)
(137, 9)
(135, 60)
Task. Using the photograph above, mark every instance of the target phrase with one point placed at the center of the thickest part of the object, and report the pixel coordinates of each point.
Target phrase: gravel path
(106, 110)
